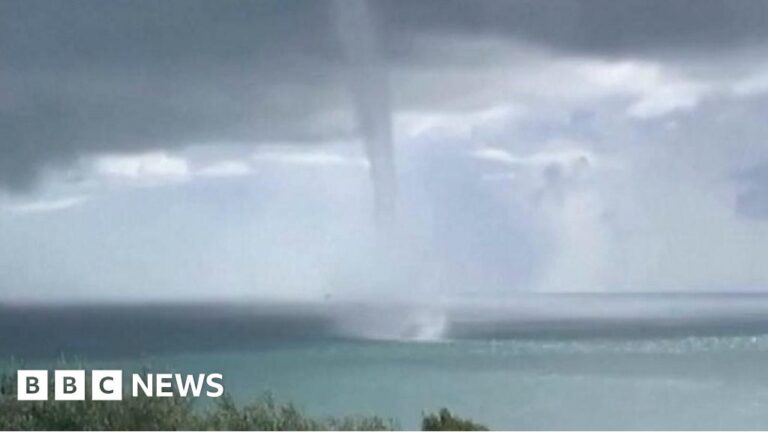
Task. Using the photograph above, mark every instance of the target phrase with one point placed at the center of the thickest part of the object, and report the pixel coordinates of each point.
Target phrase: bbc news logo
(107, 385)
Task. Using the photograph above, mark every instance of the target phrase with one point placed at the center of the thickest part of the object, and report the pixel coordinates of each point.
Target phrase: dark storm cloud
(85, 76)
(80, 77)
(601, 26)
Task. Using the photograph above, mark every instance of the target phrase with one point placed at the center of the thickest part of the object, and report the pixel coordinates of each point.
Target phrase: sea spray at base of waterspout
(401, 323)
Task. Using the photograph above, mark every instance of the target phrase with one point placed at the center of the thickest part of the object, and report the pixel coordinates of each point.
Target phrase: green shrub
(445, 421)
(266, 414)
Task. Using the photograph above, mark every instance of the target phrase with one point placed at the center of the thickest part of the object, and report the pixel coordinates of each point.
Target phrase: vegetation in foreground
(443, 420)
(177, 413)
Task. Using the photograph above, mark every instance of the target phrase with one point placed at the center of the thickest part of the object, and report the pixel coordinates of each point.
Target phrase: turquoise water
(552, 362)
(679, 383)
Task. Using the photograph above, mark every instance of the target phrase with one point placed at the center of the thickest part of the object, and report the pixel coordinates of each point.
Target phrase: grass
(178, 413)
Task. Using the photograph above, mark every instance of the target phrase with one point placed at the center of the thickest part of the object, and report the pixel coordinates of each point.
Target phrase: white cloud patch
(308, 158)
(232, 168)
(570, 161)
(145, 168)
(158, 168)
(411, 125)
(655, 90)
(45, 205)
(540, 159)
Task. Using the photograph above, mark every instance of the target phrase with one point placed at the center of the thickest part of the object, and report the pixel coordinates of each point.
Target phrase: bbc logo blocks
(69, 385)
(32, 385)
(106, 385)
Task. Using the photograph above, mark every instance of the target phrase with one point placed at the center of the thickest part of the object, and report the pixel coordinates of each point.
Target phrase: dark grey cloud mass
(600, 25)
(80, 77)
(94, 76)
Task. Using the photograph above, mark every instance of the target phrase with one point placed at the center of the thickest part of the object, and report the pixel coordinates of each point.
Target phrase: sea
(593, 362)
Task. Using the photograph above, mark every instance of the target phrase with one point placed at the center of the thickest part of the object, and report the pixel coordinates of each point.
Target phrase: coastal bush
(443, 420)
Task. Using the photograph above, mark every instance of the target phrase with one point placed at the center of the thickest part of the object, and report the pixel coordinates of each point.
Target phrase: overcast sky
(188, 150)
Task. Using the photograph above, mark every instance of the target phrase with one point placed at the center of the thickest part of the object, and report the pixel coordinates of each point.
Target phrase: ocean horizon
(697, 368)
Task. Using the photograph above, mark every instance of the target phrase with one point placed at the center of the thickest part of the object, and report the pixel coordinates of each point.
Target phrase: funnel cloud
(369, 84)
